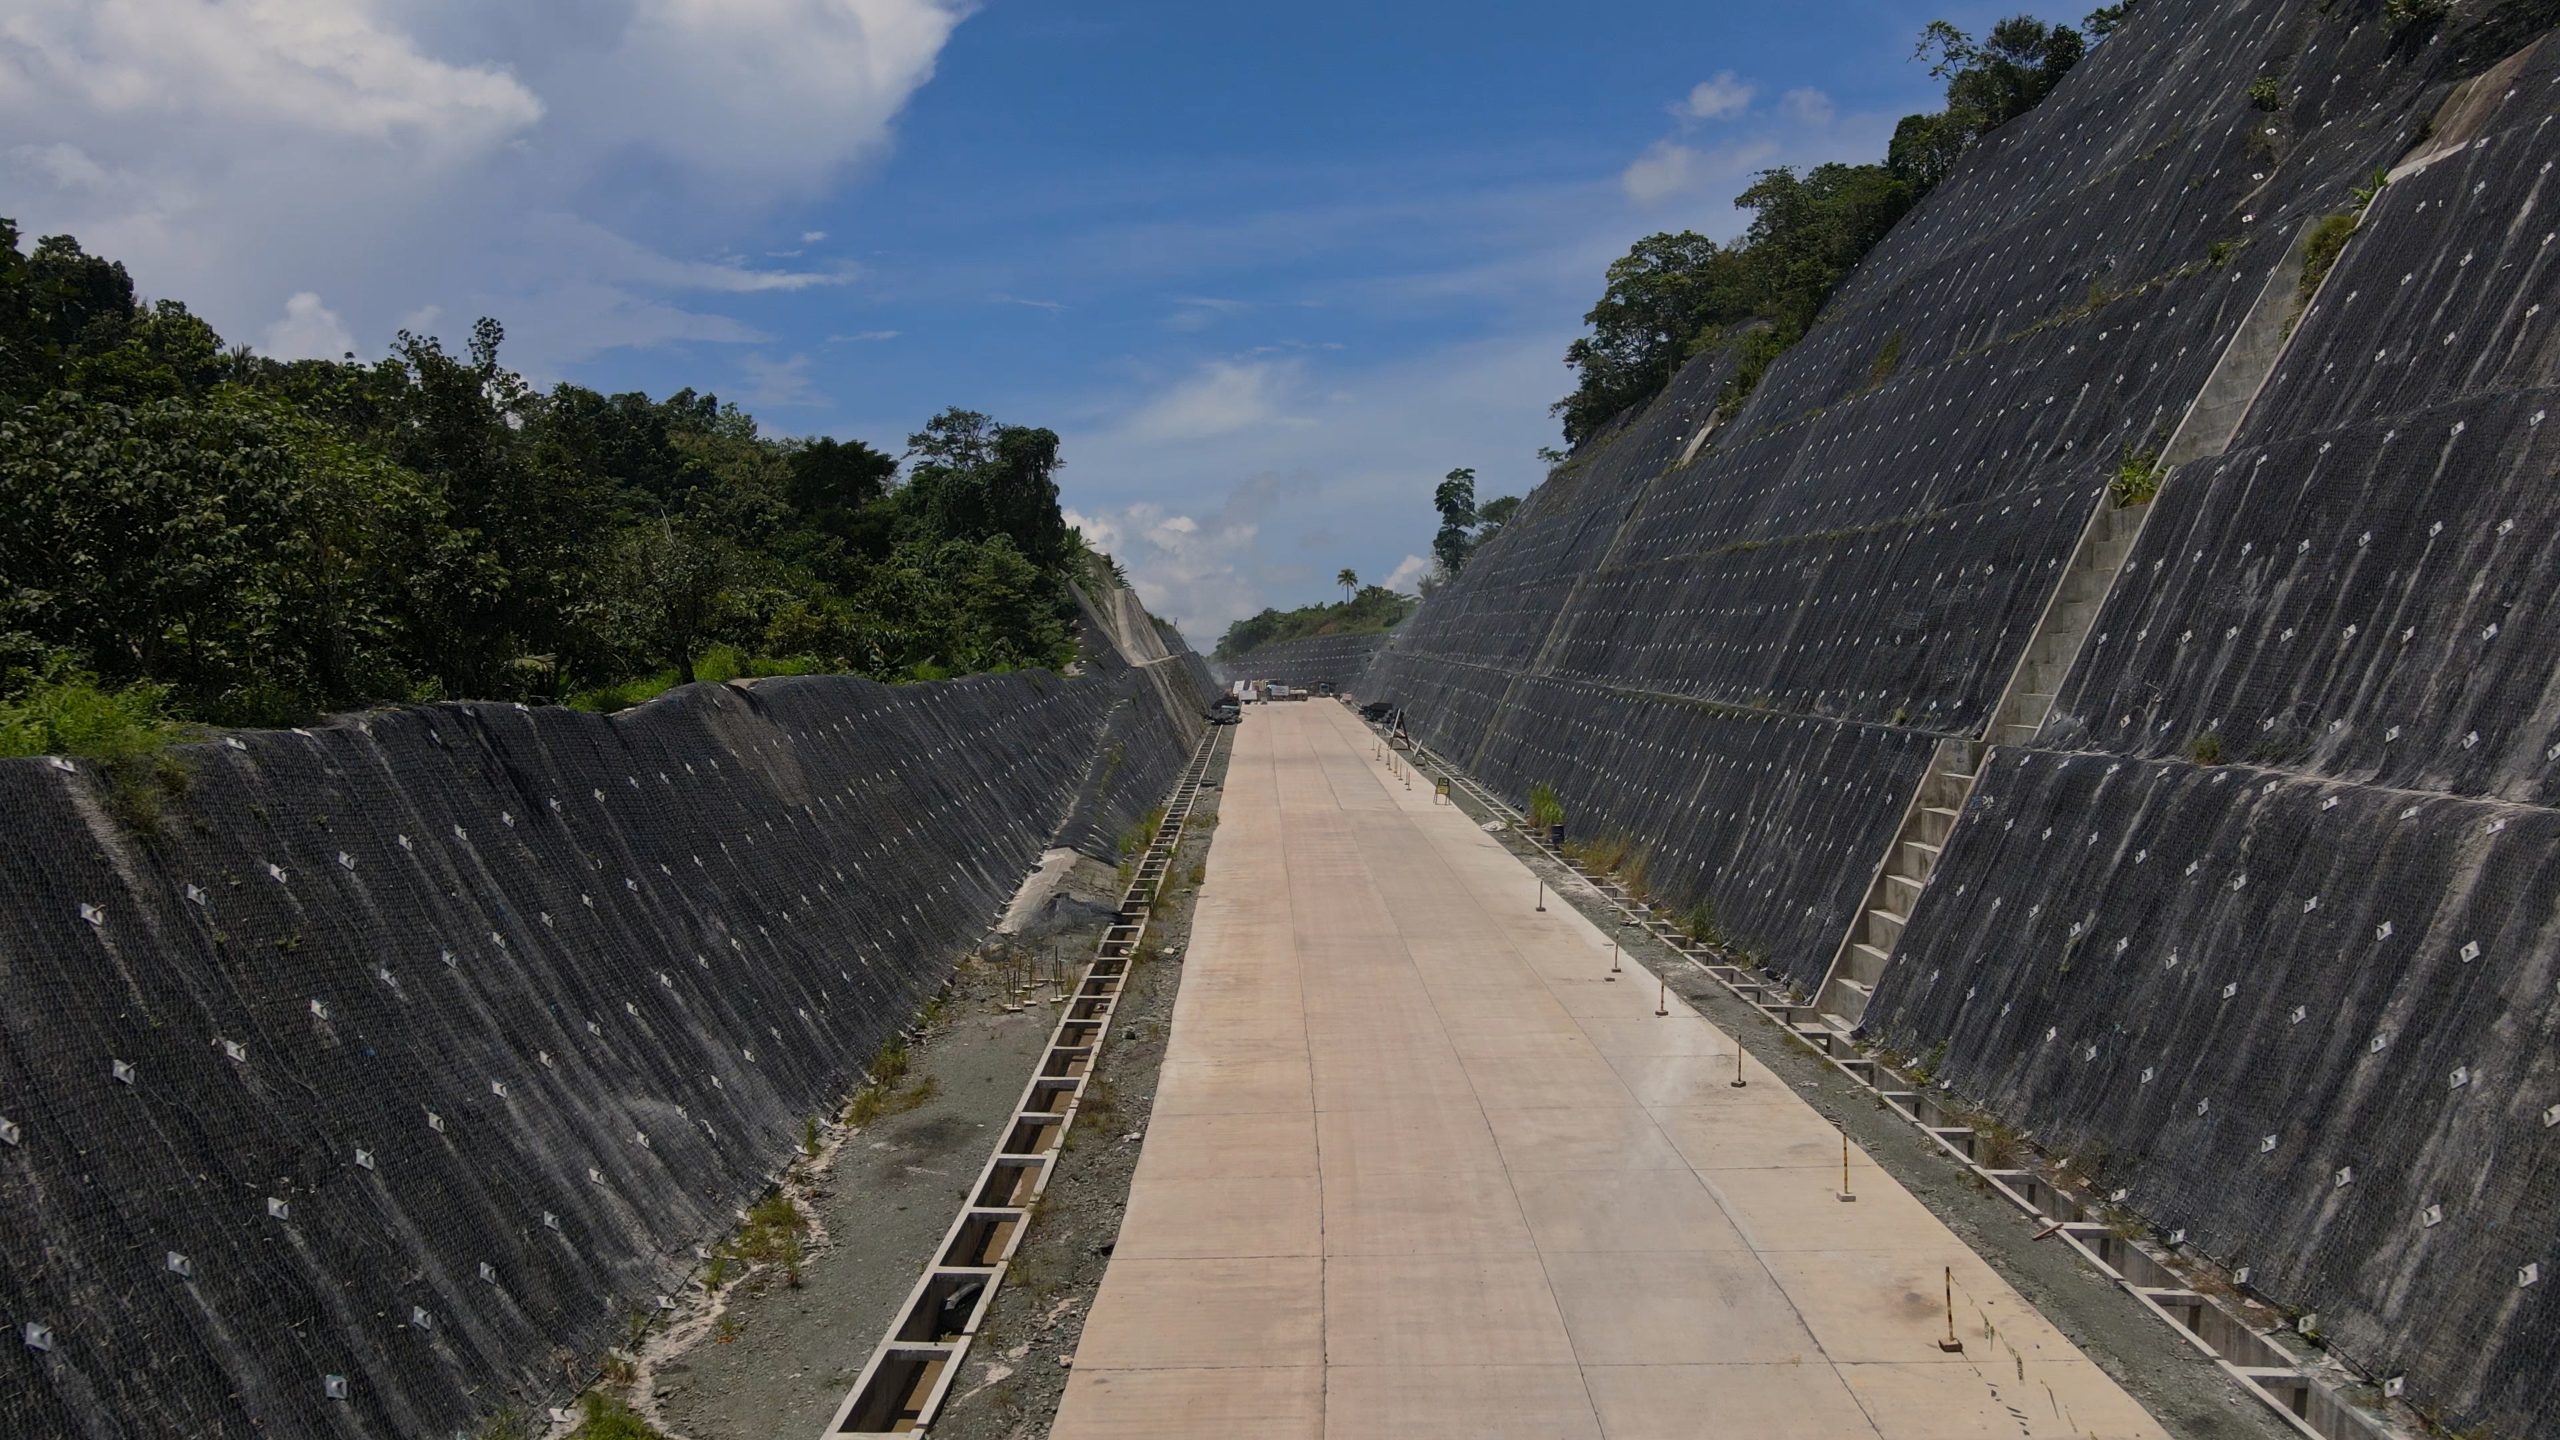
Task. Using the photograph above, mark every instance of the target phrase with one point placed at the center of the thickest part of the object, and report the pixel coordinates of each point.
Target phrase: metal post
(1738, 1082)
(1951, 1344)
(1542, 896)
(1664, 1006)
(1844, 1167)
(1614, 970)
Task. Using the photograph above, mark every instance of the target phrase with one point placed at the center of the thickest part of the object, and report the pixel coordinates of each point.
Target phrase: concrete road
(1418, 1167)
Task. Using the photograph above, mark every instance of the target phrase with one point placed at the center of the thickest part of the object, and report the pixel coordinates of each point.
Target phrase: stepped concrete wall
(2323, 1052)
(405, 1056)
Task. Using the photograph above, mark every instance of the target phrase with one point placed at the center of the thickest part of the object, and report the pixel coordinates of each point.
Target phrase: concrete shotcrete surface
(1418, 1166)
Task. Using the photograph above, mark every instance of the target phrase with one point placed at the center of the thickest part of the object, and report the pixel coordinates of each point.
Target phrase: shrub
(1700, 922)
(2206, 749)
(2416, 12)
(1888, 360)
(2267, 93)
(124, 730)
(2328, 241)
(2137, 478)
(1545, 806)
(601, 1417)
(66, 711)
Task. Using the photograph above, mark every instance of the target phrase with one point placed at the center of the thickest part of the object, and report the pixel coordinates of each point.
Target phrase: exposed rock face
(2300, 1002)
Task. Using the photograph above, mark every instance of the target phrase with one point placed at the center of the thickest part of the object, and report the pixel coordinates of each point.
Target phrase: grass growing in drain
(1134, 839)
(2320, 254)
(1700, 923)
(601, 1417)
(1601, 854)
(771, 1236)
(888, 1091)
(1546, 807)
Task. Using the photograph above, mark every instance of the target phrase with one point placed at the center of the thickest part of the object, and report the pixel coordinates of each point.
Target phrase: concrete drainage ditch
(909, 1376)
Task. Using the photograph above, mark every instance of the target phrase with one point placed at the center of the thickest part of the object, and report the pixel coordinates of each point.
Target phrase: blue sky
(1269, 270)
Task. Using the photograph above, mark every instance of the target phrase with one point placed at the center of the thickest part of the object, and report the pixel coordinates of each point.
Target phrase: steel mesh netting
(1774, 819)
(2058, 303)
(1306, 663)
(1877, 624)
(2445, 291)
(413, 1051)
(2312, 1020)
(1148, 735)
(2310, 1025)
(2370, 604)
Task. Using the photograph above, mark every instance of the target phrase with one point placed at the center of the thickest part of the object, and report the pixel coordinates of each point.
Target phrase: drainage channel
(904, 1384)
(2309, 1403)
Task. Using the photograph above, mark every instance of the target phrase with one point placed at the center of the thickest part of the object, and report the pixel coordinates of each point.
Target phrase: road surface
(1417, 1168)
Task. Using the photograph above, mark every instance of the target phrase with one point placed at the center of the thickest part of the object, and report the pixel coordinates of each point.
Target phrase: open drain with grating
(909, 1375)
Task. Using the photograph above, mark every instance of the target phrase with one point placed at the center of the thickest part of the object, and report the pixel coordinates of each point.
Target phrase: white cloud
(1717, 97)
(1407, 574)
(1052, 306)
(1199, 312)
(862, 337)
(1184, 568)
(1808, 106)
(1221, 398)
(1338, 471)
(1665, 170)
(779, 384)
(309, 330)
(812, 237)
(332, 69)
(765, 95)
(395, 155)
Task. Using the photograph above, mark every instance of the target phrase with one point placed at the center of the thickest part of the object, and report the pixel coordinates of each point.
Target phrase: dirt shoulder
(1017, 1368)
(764, 1356)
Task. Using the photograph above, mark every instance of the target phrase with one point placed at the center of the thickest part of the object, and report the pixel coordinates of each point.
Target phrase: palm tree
(1349, 583)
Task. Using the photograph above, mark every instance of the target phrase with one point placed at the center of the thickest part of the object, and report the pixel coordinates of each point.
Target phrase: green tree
(1455, 499)
(975, 479)
(1348, 581)
(1673, 296)
(1660, 296)
(253, 541)
(670, 583)
(1372, 609)
(1493, 515)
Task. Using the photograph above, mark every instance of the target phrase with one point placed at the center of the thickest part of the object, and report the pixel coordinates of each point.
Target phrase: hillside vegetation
(1372, 609)
(1675, 295)
(191, 531)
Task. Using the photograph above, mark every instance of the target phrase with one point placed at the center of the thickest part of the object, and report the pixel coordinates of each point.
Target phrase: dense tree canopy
(269, 541)
(1675, 295)
(1373, 608)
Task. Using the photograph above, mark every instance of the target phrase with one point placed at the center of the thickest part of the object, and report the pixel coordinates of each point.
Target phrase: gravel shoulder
(765, 1357)
(1017, 1369)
